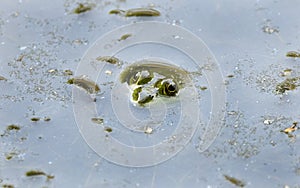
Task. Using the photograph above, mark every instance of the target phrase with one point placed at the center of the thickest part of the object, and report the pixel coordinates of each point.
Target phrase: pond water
(226, 128)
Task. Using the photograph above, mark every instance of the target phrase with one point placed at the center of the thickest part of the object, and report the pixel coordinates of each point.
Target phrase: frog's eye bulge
(151, 101)
(171, 89)
(168, 88)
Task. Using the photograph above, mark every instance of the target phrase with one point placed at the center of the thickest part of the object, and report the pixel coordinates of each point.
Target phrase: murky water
(43, 45)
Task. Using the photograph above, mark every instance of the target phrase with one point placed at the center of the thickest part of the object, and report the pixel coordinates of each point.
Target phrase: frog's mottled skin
(150, 79)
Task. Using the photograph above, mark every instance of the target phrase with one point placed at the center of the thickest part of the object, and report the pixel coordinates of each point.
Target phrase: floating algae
(81, 8)
(13, 127)
(287, 85)
(124, 37)
(35, 119)
(33, 173)
(97, 120)
(234, 181)
(293, 54)
(90, 86)
(108, 59)
(9, 128)
(136, 12)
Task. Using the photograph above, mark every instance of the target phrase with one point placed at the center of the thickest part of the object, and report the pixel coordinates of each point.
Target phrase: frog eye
(171, 89)
(167, 87)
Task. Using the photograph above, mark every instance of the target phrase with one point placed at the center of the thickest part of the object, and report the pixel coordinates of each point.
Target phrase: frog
(149, 80)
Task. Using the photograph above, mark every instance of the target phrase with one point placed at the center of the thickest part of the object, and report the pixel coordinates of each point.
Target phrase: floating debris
(287, 85)
(108, 129)
(108, 59)
(232, 112)
(136, 12)
(230, 76)
(9, 128)
(124, 37)
(293, 54)
(10, 155)
(81, 8)
(234, 181)
(97, 120)
(270, 30)
(35, 119)
(290, 129)
(286, 72)
(68, 72)
(52, 71)
(47, 119)
(20, 58)
(90, 86)
(8, 186)
(3, 78)
(268, 121)
(203, 88)
(33, 173)
(13, 127)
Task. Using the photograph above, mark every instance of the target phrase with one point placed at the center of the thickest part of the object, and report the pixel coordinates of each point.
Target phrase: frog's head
(148, 80)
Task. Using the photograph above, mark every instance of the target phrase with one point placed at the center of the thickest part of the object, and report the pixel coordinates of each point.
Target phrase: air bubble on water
(108, 72)
(274, 51)
(23, 48)
(21, 156)
(132, 170)
(268, 121)
(177, 37)
(176, 22)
